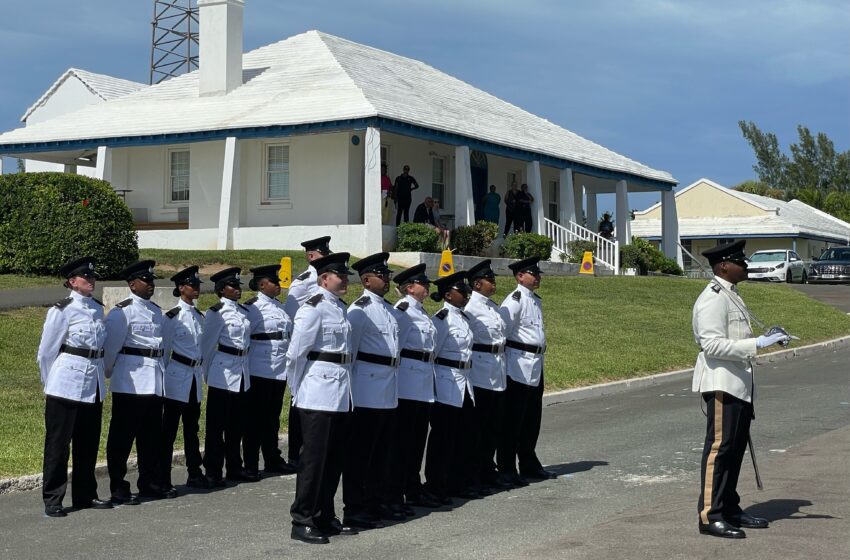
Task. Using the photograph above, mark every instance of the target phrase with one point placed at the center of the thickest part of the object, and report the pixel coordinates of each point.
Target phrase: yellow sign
(586, 263)
(285, 273)
(446, 265)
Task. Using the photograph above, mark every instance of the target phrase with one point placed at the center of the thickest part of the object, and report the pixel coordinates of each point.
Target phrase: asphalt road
(836, 295)
(629, 466)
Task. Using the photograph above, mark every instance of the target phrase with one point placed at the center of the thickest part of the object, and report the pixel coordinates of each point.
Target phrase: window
(277, 173)
(513, 177)
(552, 207)
(687, 262)
(438, 180)
(178, 176)
(385, 156)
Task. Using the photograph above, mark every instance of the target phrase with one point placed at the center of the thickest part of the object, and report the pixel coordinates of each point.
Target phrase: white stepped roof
(780, 218)
(103, 86)
(315, 77)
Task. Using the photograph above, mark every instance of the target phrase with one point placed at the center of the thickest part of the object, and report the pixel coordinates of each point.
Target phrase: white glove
(766, 340)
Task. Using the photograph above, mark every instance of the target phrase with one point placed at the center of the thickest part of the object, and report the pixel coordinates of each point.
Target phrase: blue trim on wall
(389, 125)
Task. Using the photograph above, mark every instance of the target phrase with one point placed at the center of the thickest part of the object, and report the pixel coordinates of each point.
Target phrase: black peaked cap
(455, 280)
(526, 265)
(480, 270)
(230, 275)
(188, 275)
(321, 245)
(336, 262)
(141, 269)
(269, 271)
(731, 252)
(79, 267)
(372, 263)
(412, 274)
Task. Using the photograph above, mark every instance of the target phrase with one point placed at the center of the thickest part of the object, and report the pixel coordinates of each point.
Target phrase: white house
(284, 143)
(710, 214)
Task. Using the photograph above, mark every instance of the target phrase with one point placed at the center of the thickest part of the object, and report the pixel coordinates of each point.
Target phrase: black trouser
(67, 422)
(409, 431)
(510, 216)
(726, 435)
(488, 419)
(525, 219)
(367, 453)
(190, 412)
(321, 464)
(134, 418)
(295, 439)
(520, 428)
(226, 424)
(265, 402)
(402, 205)
(447, 432)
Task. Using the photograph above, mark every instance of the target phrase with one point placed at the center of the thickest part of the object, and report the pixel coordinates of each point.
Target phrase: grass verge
(598, 329)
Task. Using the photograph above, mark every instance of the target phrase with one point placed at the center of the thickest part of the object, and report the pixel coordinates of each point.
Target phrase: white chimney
(220, 48)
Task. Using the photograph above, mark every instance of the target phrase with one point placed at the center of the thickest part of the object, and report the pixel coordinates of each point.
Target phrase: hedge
(417, 238)
(47, 219)
(474, 240)
(525, 245)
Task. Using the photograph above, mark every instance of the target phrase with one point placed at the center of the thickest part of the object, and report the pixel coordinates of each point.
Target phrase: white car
(776, 265)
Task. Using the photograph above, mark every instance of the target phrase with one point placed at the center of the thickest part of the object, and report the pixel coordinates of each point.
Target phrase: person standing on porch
(405, 184)
(304, 286)
(511, 208)
(387, 203)
(523, 205)
(490, 203)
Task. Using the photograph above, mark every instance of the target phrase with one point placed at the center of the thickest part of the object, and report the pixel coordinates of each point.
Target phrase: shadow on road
(773, 510)
(577, 467)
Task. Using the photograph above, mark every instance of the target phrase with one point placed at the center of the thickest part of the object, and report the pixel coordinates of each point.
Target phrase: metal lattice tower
(174, 42)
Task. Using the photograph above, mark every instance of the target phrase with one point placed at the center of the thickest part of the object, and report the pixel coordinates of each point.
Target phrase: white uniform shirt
(267, 358)
(415, 332)
(321, 325)
(77, 323)
(374, 330)
(724, 335)
(182, 328)
(452, 341)
(488, 327)
(304, 286)
(136, 323)
(523, 317)
(226, 323)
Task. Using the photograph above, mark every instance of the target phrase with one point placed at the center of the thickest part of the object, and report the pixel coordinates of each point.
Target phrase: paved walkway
(628, 485)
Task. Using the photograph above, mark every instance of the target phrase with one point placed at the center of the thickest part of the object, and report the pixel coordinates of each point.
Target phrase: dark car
(832, 266)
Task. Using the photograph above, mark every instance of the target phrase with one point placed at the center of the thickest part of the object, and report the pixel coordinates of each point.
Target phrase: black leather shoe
(309, 535)
(216, 482)
(423, 500)
(539, 474)
(170, 493)
(498, 483)
(744, 519)
(336, 527)
(198, 482)
(407, 510)
(721, 529)
(280, 468)
(516, 480)
(243, 475)
(158, 492)
(55, 511)
(94, 504)
(131, 500)
(389, 513)
(465, 494)
(362, 522)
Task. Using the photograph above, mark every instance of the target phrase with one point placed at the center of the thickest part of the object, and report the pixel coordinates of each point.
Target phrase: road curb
(34, 481)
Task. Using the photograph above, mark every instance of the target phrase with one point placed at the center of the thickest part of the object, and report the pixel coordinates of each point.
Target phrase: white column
(623, 222)
(592, 214)
(2, 161)
(567, 209)
(535, 187)
(103, 170)
(70, 168)
(228, 210)
(464, 207)
(670, 227)
(372, 190)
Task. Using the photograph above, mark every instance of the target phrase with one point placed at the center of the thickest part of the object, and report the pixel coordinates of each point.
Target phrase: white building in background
(284, 143)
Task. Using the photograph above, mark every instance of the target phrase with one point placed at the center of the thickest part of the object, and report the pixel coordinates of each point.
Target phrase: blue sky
(662, 82)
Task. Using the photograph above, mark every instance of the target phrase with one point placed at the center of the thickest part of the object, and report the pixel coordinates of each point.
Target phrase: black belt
(377, 359)
(457, 364)
(489, 348)
(417, 355)
(146, 352)
(184, 360)
(268, 336)
(81, 352)
(332, 357)
(525, 347)
(231, 350)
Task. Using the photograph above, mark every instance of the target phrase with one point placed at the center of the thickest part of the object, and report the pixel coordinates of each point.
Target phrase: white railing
(607, 251)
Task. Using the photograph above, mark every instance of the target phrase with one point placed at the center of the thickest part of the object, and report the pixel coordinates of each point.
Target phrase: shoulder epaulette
(155, 303)
(517, 295)
(303, 276)
(441, 314)
(217, 307)
(403, 305)
(63, 303)
(314, 301)
(125, 303)
(363, 301)
(251, 301)
(98, 301)
(716, 288)
(173, 312)
(535, 294)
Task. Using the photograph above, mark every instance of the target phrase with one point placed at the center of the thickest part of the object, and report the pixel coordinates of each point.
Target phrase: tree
(771, 163)
(761, 189)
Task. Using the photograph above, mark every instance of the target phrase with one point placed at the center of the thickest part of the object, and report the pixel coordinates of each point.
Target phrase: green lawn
(15, 281)
(598, 329)
(242, 258)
